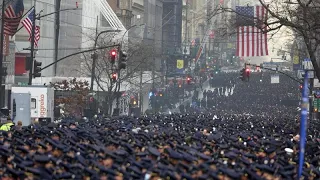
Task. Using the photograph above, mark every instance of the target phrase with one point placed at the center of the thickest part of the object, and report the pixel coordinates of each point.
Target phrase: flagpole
(1, 52)
(32, 44)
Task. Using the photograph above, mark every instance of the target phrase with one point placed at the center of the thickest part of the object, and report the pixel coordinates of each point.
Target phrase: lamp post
(120, 47)
(128, 30)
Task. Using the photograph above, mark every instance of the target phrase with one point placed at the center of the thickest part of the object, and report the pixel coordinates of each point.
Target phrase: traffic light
(247, 73)
(114, 77)
(242, 74)
(113, 55)
(36, 69)
(188, 80)
(122, 60)
(4, 71)
(301, 87)
(133, 100)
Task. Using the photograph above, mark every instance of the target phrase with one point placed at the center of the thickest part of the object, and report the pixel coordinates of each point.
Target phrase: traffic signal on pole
(4, 71)
(113, 55)
(37, 69)
(242, 74)
(188, 80)
(114, 77)
(248, 73)
(122, 60)
(94, 56)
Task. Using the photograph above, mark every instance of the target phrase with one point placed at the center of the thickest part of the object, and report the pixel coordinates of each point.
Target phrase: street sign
(180, 66)
(316, 83)
(316, 104)
(302, 72)
(186, 49)
(22, 84)
(307, 64)
(275, 79)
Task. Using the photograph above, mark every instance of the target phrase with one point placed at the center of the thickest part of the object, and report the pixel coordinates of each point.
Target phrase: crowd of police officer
(247, 134)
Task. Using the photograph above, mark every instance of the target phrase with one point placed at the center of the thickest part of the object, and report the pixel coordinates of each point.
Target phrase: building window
(33, 103)
(118, 3)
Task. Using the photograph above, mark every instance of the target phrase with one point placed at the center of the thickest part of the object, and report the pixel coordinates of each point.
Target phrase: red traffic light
(248, 70)
(188, 79)
(114, 75)
(113, 52)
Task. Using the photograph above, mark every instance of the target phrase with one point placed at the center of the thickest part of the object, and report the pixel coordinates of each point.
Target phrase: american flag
(251, 40)
(193, 42)
(199, 53)
(28, 24)
(12, 16)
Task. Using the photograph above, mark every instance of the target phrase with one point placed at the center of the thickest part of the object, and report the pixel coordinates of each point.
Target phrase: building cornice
(138, 6)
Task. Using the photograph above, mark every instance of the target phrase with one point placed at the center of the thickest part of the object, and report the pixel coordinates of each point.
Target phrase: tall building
(70, 38)
(194, 20)
(153, 31)
(172, 25)
(171, 32)
(123, 9)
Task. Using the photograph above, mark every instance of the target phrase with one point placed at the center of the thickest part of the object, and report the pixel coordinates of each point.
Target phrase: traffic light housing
(114, 77)
(300, 87)
(242, 74)
(4, 71)
(133, 101)
(113, 56)
(188, 80)
(37, 69)
(247, 72)
(122, 60)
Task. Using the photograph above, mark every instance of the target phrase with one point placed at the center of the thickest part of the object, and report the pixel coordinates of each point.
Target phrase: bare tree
(137, 60)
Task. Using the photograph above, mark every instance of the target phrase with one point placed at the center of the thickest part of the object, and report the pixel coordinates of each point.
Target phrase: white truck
(41, 101)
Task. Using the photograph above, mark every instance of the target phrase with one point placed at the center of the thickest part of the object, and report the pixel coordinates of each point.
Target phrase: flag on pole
(36, 36)
(193, 42)
(251, 40)
(12, 16)
(28, 24)
(199, 53)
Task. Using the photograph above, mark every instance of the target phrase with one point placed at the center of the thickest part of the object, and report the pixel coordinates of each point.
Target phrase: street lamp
(120, 48)
(128, 30)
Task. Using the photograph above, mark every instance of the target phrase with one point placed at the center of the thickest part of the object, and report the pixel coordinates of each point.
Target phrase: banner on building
(180, 66)
(296, 57)
(6, 45)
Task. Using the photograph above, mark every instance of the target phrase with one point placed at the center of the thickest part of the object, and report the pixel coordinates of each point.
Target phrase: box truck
(41, 101)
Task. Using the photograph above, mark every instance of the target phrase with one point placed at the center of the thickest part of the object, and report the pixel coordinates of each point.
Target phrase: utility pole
(32, 44)
(310, 99)
(1, 51)
(153, 84)
(57, 31)
(140, 92)
(94, 59)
